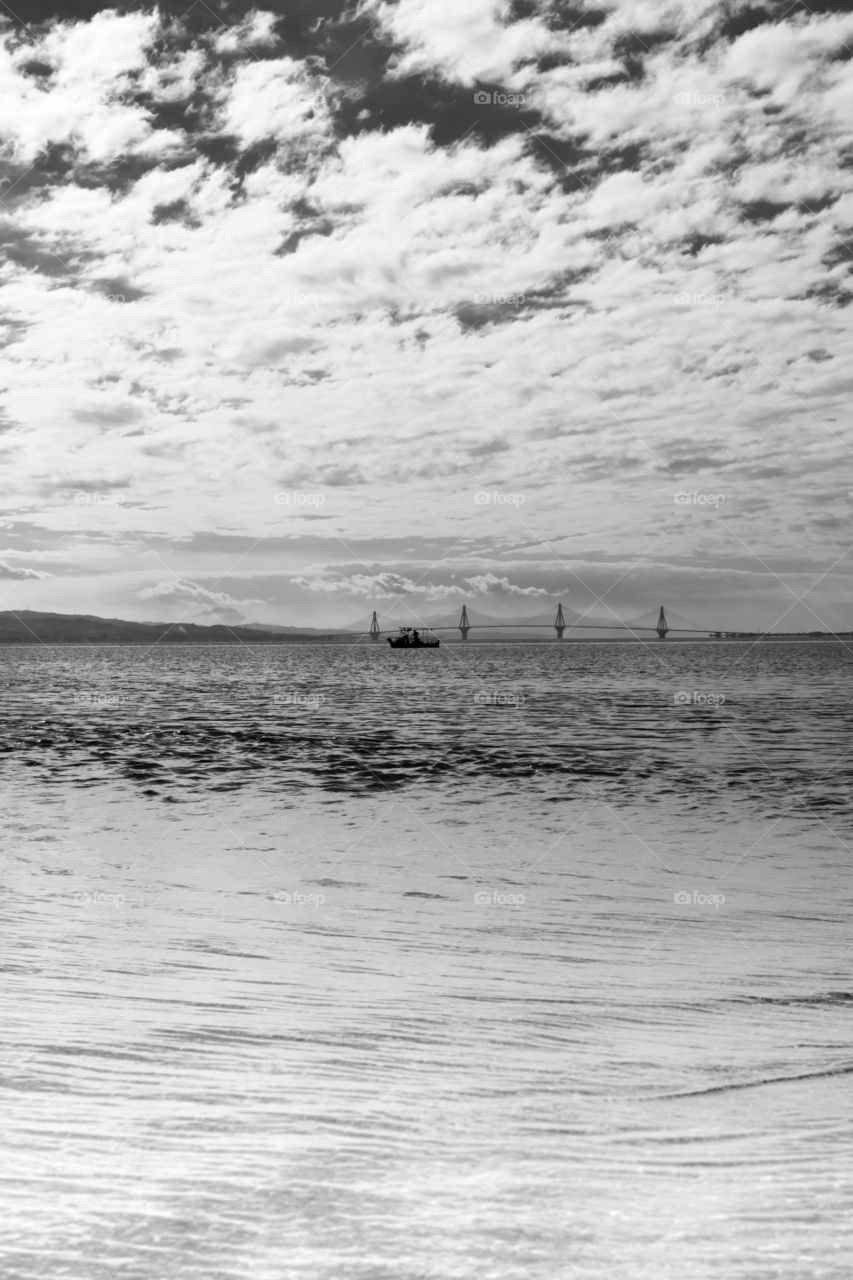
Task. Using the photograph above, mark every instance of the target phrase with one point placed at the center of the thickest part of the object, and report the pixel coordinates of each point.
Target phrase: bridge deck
(548, 626)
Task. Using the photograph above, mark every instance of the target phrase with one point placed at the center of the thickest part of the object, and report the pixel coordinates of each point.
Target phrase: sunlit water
(491, 962)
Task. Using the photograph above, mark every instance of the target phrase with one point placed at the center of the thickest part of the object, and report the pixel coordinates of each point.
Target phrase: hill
(29, 626)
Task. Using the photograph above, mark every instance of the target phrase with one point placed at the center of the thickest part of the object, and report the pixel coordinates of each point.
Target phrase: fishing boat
(409, 638)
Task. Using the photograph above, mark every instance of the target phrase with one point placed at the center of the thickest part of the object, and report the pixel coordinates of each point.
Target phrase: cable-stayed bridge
(655, 621)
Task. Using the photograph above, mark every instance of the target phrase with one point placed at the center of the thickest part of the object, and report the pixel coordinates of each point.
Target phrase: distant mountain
(29, 626)
(273, 628)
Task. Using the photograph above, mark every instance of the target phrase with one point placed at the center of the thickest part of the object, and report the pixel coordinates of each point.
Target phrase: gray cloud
(413, 294)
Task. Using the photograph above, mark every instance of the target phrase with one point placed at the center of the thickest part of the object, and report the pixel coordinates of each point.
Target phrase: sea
(490, 962)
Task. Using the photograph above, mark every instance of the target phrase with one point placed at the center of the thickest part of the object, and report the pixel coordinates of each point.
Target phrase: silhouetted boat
(409, 638)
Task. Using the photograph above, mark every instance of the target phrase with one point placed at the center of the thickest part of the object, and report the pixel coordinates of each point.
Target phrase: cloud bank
(580, 257)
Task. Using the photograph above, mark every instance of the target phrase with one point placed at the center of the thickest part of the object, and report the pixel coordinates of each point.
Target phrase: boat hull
(414, 644)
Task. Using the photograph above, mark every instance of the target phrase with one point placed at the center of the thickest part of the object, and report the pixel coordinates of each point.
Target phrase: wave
(826, 1073)
(830, 999)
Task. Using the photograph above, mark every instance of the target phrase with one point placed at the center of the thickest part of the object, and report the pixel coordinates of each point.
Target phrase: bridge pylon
(662, 626)
(464, 624)
(559, 621)
(374, 627)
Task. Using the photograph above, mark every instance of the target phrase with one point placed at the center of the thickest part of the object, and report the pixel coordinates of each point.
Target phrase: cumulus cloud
(89, 64)
(275, 99)
(433, 584)
(385, 584)
(467, 41)
(491, 584)
(19, 573)
(198, 602)
(302, 255)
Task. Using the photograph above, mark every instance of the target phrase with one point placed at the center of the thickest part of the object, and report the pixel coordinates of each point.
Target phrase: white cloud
(18, 572)
(492, 584)
(782, 57)
(256, 29)
(275, 99)
(90, 63)
(465, 41)
(197, 602)
(92, 55)
(383, 585)
(399, 322)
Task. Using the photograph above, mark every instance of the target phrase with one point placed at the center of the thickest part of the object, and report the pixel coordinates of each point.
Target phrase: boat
(409, 638)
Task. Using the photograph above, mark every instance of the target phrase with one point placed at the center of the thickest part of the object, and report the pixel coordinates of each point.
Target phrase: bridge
(661, 627)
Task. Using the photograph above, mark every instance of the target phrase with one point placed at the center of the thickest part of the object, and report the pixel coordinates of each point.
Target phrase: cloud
(782, 57)
(77, 104)
(108, 415)
(467, 42)
(491, 584)
(198, 602)
(383, 584)
(19, 573)
(432, 584)
(263, 262)
(276, 99)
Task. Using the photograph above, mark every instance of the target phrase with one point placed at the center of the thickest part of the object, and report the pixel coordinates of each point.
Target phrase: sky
(312, 308)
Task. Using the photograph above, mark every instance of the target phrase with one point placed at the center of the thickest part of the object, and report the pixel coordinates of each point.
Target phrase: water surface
(501, 961)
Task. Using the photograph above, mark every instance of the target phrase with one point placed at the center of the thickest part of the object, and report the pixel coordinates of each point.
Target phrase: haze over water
(497, 961)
